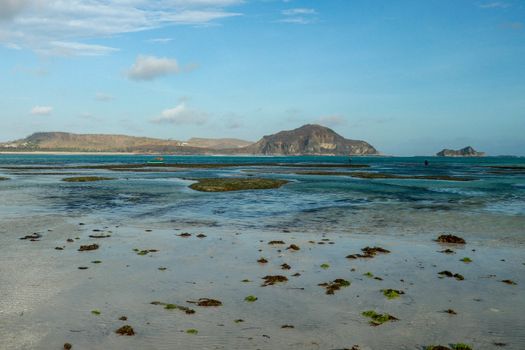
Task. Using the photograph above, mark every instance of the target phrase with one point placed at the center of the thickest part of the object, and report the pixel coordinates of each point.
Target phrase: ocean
(496, 196)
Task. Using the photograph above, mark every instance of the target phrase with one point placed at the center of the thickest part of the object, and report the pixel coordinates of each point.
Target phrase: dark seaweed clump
(368, 252)
(271, 280)
(450, 274)
(88, 247)
(335, 285)
(450, 239)
(125, 330)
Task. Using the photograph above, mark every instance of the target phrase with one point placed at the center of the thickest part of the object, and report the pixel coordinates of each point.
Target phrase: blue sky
(410, 77)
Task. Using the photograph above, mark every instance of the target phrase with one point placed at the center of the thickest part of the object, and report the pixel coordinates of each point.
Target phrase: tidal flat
(322, 262)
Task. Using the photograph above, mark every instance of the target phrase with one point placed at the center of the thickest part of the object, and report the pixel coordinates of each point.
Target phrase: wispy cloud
(496, 4)
(299, 11)
(299, 15)
(64, 48)
(40, 25)
(160, 40)
(151, 67)
(181, 114)
(41, 110)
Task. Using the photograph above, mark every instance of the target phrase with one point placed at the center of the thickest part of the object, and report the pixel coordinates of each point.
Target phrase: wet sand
(47, 301)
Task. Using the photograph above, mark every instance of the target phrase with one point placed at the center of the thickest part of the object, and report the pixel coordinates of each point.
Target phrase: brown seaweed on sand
(368, 253)
(275, 242)
(510, 282)
(450, 274)
(88, 247)
(271, 280)
(206, 302)
(335, 285)
(33, 237)
(285, 266)
(125, 330)
(450, 239)
(293, 247)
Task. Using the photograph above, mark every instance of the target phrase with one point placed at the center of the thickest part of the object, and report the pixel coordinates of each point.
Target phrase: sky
(411, 76)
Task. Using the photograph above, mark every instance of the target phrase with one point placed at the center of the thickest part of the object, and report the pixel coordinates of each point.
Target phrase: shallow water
(46, 301)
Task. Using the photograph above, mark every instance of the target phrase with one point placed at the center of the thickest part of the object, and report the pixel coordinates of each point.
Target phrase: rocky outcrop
(309, 140)
(464, 152)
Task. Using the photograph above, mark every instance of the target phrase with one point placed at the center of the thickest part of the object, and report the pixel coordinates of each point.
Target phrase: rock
(464, 152)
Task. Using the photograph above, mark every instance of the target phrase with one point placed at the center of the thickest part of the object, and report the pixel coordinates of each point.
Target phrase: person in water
(426, 162)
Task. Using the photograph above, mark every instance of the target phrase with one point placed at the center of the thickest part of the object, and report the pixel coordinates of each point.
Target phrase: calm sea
(492, 206)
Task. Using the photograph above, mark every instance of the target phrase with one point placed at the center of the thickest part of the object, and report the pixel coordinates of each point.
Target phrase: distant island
(309, 139)
(464, 152)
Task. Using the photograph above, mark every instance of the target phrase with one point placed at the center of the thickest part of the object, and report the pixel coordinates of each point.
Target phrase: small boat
(156, 161)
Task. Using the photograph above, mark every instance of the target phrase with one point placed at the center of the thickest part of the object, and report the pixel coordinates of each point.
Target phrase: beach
(159, 243)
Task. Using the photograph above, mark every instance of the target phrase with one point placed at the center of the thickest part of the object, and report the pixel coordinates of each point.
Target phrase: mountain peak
(310, 139)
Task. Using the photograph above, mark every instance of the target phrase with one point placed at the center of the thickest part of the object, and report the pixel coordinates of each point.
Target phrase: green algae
(378, 319)
(250, 298)
(235, 184)
(392, 293)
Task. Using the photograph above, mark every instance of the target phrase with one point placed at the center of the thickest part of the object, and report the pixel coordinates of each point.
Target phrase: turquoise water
(493, 205)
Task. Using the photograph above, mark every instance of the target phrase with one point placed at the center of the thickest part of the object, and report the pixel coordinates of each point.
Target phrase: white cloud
(331, 120)
(151, 67)
(300, 15)
(37, 24)
(41, 110)
(160, 40)
(299, 11)
(181, 114)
